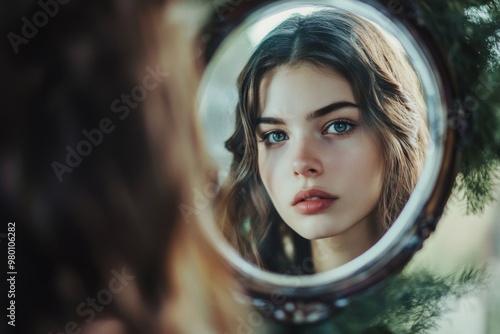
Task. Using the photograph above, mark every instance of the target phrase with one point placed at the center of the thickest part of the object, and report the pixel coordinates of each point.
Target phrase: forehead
(302, 88)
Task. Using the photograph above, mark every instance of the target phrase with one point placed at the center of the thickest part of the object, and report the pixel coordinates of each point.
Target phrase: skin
(329, 150)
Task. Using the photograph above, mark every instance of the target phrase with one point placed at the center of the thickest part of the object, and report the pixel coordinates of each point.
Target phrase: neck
(330, 253)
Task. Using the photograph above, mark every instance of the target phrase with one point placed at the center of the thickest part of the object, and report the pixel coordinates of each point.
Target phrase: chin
(313, 234)
(308, 236)
(314, 228)
(317, 236)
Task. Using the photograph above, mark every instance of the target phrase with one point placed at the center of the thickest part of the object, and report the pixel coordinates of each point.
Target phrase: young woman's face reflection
(320, 166)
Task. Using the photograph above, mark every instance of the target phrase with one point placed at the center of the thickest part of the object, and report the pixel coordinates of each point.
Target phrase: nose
(306, 160)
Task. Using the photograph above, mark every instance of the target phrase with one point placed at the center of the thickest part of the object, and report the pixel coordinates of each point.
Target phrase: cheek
(376, 160)
(269, 167)
(358, 166)
(373, 170)
(264, 170)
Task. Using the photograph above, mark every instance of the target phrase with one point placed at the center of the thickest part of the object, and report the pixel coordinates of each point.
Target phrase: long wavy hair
(118, 210)
(391, 100)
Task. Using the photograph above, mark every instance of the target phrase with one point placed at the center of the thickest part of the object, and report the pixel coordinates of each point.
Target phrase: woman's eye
(274, 137)
(339, 127)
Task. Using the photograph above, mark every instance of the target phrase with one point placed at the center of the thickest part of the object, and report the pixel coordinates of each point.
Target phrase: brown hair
(387, 90)
(117, 210)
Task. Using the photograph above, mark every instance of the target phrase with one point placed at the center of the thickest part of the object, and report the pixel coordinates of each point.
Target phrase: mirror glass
(326, 122)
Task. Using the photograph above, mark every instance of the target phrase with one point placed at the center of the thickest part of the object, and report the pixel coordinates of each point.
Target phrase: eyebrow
(311, 115)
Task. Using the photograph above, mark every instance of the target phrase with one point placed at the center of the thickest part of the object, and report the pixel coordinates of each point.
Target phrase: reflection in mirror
(329, 141)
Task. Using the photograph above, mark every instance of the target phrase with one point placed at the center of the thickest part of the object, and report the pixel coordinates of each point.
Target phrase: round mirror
(335, 148)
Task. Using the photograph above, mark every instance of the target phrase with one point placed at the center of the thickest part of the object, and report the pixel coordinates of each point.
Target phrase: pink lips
(312, 200)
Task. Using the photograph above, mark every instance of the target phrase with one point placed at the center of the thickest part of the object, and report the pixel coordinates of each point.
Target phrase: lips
(311, 194)
(313, 200)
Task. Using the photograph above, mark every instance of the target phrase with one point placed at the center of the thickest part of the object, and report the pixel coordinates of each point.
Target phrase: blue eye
(339, 127)
(274, 137)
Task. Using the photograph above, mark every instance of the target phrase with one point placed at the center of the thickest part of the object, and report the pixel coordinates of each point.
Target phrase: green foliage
(410, 302)
(493, 316)
(469, 33)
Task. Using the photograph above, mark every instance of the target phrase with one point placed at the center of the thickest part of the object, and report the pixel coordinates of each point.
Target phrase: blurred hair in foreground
(102, 246)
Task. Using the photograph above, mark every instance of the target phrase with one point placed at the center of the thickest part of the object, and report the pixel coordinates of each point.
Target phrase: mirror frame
(307, 299)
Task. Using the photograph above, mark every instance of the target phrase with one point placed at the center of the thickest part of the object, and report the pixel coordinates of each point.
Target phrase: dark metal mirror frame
(307, 299)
